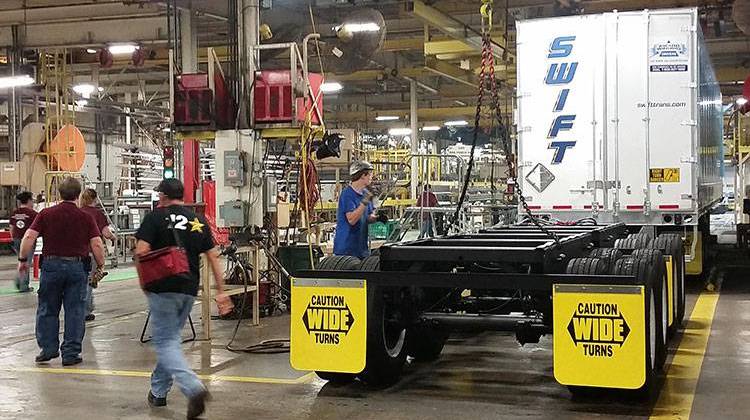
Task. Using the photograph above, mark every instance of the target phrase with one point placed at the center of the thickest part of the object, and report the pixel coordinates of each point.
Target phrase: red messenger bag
(163, 263)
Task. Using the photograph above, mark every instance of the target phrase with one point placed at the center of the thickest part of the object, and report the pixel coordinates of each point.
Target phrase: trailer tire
(656, 258)
(609, 255)
(371, 263)
(386, 333)
(633, 242)
(425, 342)
(339, 262)
(642, 270)
(671, 244)
(591, 266)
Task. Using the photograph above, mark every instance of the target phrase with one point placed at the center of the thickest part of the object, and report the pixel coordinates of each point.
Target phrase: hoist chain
(487, 81)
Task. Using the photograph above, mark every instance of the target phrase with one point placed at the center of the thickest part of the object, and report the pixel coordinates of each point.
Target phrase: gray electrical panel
(233, 213)
(234, 168)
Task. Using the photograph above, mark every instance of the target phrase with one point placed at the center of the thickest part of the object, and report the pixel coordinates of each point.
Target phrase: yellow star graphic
(196, 225)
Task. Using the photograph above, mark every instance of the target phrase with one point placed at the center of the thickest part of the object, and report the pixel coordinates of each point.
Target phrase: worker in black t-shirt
(171, 300)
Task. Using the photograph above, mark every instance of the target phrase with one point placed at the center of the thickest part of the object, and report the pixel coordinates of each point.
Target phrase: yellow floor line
(676, 398)
(307, 378)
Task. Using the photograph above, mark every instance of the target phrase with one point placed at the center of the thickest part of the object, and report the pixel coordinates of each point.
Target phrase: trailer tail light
(562, 207)
(634, 207)
(669, 207)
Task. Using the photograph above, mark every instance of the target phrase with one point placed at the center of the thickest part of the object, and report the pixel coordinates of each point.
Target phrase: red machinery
(193, 100)
(274, 97)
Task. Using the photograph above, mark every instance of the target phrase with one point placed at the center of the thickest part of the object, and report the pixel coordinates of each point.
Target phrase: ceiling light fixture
(456, 123)
(741, 101)
(431, 128)
(91, 50)
(386, 118)
(84, 89)
(330, 87)
(116, 49)
(15, 81)
(359, 27)
(399, 131)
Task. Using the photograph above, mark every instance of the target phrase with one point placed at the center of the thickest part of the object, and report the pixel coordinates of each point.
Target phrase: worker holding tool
(170, 300)
(355, 211)
(20, 221)
(69, 235)
(88, 205)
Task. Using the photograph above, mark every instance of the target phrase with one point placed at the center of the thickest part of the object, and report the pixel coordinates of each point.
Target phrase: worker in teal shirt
(355, 211)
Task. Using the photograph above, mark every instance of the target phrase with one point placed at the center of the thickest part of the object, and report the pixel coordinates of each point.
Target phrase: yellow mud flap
(671, 289)
(329, 325)
(695, 266)
(599, 335)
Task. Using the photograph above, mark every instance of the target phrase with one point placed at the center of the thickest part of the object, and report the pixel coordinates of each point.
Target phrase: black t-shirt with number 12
(195, 237)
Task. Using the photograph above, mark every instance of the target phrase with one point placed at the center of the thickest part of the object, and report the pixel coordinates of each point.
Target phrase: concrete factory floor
(480, 377)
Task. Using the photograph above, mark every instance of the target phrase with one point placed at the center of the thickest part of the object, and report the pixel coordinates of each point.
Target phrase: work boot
(197, 405)
(90, 317)
(72, 361)
(42, 357)
(155, 401)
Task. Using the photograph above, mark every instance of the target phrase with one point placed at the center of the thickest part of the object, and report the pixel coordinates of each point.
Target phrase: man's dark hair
(24, 197)
(70, 189)
(360, 174)
(172, 188)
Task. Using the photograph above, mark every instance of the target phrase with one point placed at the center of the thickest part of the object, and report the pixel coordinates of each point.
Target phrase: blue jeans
(426, 228)
(169, 311)
(88, 268)
(61, 283)
(22, 280)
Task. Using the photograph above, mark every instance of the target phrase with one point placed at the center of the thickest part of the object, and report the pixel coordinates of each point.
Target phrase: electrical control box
(233, 213)
(234, 168)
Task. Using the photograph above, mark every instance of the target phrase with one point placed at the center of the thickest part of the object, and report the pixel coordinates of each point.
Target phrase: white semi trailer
(619, 119)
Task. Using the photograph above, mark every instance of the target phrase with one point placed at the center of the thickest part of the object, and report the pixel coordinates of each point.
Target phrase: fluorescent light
(91, 50)
(431, 128)
(330, 87)
(456, 123)
(166, 129)
(741, 101)
(100, 89)
(122, 48)
(84, 89)
(360, 27)
(82, 102)
(399, 131)
(386, 118)
(13, 81)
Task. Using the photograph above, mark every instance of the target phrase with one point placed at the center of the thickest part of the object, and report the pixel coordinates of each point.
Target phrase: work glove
(366, 197)
(96, 277)
(382, 217)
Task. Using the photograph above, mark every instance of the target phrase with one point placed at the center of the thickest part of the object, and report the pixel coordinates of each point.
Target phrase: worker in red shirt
(20, 221)
(427, 199)
(69, 235)
(88, 205)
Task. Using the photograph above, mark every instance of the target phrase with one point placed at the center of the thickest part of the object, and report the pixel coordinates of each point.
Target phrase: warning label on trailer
(598, 329)
(599, 335)
(664, 175)
(327, 318)
(329, 326)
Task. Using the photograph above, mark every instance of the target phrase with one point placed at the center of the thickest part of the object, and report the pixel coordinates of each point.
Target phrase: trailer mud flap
(599, 335)
(329, 325)
(671, 290)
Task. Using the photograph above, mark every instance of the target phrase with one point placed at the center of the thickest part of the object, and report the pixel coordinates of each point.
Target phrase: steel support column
(414, 136)
(190, 147)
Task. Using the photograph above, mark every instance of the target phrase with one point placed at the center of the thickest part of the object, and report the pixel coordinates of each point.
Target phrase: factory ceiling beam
(451, 72)
(89, 33)
(423, 114)
(732, 74)
(451, 26)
